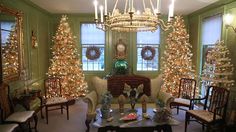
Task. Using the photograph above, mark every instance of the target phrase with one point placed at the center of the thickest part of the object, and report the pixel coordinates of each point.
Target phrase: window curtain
(211, 29)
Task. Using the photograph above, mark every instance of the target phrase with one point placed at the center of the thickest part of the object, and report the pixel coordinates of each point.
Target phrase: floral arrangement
(162, 113)
(133, 94)
(148, 53)
(93, 53)
(106, 104)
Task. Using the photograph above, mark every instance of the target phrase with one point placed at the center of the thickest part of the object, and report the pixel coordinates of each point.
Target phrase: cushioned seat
(22, 116)
(8, 127)
(204, 114)
(56, 100)
(182, 101)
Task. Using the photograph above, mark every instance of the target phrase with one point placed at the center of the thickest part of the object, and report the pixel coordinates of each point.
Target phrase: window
(145, 39)
(211, 33)
(92, 37)
(6, 28)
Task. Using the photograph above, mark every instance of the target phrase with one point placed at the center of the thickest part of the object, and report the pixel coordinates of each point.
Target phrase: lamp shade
(228, 19)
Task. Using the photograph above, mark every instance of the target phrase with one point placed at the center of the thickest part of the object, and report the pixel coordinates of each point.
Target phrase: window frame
(81, 45)
(204, 47)
(158, 46)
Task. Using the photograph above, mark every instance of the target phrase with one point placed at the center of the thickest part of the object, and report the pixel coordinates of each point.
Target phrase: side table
(27, 97)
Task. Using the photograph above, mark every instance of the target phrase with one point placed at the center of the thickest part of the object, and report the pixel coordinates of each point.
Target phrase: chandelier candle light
(132, 20)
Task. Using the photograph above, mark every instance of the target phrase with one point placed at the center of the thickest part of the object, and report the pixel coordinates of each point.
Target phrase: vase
(105, 113)
(132, 104)
(162, 115)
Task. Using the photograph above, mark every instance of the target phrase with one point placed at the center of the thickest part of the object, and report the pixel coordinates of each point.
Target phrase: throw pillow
(100, 86)
(156, 84)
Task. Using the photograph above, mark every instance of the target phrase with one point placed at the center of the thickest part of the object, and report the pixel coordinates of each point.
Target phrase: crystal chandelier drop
(132, 20)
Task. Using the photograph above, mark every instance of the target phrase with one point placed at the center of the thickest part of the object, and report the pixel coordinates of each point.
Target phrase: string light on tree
(218, 69)
(177, 61)
(66, 63)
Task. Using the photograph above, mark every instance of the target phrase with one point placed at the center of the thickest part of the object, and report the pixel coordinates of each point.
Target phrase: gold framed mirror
(11, 43)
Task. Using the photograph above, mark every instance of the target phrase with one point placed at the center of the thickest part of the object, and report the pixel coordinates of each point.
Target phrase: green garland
(145, 50)
(93, 53)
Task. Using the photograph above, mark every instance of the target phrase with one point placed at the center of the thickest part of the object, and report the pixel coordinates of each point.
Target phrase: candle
(101, 10)
(132, 5)
(169, 13)
(105, 7)
(173, 5)
(158, 6)
(96, 8)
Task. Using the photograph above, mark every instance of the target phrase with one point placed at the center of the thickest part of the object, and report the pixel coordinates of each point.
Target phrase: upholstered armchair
(116, 84)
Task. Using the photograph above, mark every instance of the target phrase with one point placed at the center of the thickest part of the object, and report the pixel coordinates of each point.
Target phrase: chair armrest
(166, 98)
(191, 107)
(92, 100)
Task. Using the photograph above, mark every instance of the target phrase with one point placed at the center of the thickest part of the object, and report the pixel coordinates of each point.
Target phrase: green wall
(36, 59)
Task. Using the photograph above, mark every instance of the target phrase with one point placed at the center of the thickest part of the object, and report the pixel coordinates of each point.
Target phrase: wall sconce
(228, 20)
(34, 40)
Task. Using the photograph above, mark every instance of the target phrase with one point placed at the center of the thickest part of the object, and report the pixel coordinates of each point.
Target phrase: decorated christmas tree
(177, 61)
(218, 69)
(65, 62)
(10, 54)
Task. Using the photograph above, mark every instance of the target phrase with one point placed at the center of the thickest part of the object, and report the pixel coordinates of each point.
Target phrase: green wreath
(148, 53)
(93, 53)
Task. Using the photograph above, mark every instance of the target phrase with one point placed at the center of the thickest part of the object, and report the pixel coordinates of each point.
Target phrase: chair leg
(46, 110)
(29, 126)
(61, 109)
(87, 122)
(41, 112)
(67, 111)
(177, 110)
(187, 117)
(36, 122)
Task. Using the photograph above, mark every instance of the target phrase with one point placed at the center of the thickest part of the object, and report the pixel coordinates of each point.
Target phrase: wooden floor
(59, 123)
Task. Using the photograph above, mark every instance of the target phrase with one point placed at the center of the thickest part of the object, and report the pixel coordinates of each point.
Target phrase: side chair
(8, 115)
(214, 111)
(53, 86)
(187, 90)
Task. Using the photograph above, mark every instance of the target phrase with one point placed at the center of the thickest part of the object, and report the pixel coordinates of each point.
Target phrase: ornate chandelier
(132, 20)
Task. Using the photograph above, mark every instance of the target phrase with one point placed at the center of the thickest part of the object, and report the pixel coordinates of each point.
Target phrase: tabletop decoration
(162, 113)
(106, 105)
(133, 94)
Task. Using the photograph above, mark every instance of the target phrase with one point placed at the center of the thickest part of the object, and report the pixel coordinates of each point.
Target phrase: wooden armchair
(7, 110)
(53, 87)
(187, 89)
(214, 110)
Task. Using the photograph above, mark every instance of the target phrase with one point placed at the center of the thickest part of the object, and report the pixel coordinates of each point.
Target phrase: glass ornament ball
(121, 66)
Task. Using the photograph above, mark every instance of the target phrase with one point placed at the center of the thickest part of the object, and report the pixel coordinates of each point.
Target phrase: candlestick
(96, 8)
(158, 6)
(101, 10)
(105, 7)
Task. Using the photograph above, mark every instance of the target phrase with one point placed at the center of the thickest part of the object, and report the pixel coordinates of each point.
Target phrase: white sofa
(100, 87)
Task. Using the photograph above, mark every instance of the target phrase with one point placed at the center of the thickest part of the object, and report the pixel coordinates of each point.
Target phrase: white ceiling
(182, 7)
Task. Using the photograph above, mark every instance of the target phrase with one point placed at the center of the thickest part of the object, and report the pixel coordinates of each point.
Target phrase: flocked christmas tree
(10, 54)
(177, 61)
(218, 69)
(66, 63)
